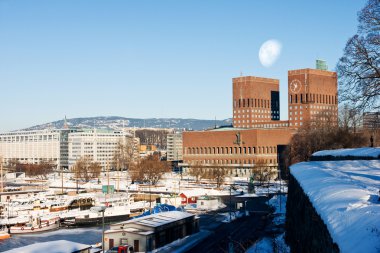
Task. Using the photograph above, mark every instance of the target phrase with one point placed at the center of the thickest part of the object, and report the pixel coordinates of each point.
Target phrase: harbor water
(89, 235)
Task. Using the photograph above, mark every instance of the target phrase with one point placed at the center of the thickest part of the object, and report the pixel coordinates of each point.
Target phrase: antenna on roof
(215, 122)
(241, 73)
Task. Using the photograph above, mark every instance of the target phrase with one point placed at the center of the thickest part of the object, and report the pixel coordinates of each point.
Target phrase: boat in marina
(35, 225)
(4, 235)
(92, 218)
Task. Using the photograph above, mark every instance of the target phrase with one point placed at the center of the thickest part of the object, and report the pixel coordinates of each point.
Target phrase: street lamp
(100, 209)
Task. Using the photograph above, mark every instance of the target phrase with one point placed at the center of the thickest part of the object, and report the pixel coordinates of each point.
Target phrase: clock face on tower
(295, 86)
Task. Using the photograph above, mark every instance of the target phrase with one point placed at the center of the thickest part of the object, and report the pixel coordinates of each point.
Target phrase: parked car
(120, 249)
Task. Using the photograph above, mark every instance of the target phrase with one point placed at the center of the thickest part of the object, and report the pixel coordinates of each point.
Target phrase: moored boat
(111, 214)
(35, 225)
(4, 235)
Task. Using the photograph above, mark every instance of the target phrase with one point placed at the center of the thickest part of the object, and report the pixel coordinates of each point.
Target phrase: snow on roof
(59, 246)
(345, 195)
(202, 191)
(356, 152)
(158, 219)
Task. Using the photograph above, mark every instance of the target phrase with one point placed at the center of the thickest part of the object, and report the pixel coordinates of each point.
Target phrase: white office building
(174, 147)
(98, 145)
(36, 146)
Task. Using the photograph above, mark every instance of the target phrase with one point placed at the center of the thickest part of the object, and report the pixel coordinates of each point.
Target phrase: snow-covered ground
(171, 183)
(270, 245)
(184, 244)
(276, 244)
(264, 190)
(346, 196)
(278, 202)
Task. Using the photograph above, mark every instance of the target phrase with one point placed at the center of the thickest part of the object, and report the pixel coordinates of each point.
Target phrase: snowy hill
(116, 123)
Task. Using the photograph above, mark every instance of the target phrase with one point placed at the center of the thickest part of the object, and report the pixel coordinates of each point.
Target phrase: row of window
(251, 102)
(235, 161)
(231, 150)
(262, 125)
(315, 98)
(28, 138)
(257, 110)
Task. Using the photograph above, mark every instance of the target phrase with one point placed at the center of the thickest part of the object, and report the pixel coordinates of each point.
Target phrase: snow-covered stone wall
(305, 230)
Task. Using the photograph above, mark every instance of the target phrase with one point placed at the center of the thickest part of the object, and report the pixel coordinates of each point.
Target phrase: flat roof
(158, 219)
(130, 230)
(59, 246)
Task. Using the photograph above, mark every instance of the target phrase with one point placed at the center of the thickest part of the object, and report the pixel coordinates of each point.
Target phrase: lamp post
(100, 209)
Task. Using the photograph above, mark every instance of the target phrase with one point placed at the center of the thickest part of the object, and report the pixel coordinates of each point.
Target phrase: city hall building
(257, 133)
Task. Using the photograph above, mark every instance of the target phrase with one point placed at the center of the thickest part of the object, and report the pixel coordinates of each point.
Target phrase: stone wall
(305, 230)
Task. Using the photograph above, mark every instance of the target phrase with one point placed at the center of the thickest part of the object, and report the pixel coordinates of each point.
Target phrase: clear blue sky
(154, 58)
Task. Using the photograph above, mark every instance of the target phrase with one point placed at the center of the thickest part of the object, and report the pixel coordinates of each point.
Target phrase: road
(239, 234)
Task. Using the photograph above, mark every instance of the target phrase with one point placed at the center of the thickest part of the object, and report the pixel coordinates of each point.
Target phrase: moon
(269, 52)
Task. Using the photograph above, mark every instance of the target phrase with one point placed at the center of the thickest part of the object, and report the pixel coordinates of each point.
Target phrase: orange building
(257, 132)
(255, 99)
(313, 96)
(237, 148)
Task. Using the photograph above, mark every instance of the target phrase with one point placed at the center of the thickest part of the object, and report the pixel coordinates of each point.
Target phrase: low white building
(208, 203)
(153, 231)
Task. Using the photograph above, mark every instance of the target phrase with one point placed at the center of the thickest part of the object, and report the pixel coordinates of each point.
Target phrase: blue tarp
(159, 209)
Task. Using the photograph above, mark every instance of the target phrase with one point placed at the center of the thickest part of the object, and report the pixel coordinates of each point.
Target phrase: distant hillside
(116, 123)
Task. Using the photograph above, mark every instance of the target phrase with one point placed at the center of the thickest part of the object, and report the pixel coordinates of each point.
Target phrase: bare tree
(13, 165)
(124, 154)
(310, 139)
(86, 169)
(349, 117)
(40, 170)
(150, 169)
(197, 170)
(262, 172)
(359, 68)
(153, 136)
(216, 173)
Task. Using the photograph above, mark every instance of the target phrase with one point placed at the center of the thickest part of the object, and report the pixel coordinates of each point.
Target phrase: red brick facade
(313, 95)
(234, 146)
(257, 132)
(252, 100)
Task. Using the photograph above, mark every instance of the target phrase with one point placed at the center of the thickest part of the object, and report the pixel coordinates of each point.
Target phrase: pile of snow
(346, 196)
(279, 203)
(265, 189)
(228, 217)
(270, 245)
(355, 152)
(209, 192)
(184, 244)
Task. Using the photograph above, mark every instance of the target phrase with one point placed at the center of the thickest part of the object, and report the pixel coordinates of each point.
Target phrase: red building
(257, 132)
